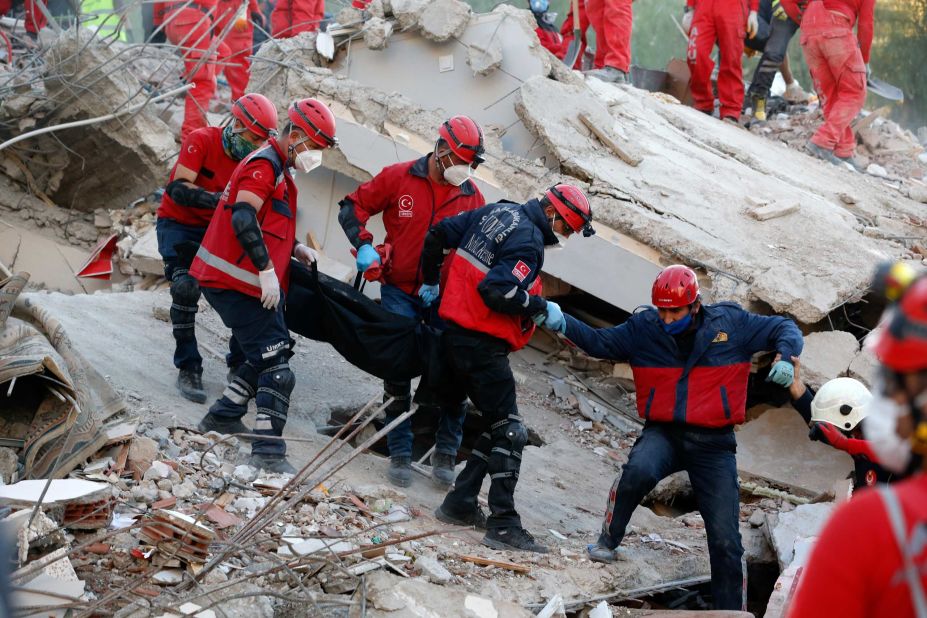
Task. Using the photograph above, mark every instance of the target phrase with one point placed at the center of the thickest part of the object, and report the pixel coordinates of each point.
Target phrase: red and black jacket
(404, 194)
(709, 388)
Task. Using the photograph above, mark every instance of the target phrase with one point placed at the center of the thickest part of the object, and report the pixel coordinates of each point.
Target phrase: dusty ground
(563, 484)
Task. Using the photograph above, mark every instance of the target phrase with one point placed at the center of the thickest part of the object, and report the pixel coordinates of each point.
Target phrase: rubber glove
(753, 25)
(366, 256)
(428, 293)
(782, 373)
(828, 434)
(555, 320)
(687, 21)
(305, 255)
(270, 288)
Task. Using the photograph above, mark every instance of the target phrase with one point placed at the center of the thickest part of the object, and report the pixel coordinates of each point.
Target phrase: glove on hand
(305, 255)
(782, 373)
(753, 25)
(428, 294)
(555, 320)
(830, 435)
(366, 256)
(270, 288)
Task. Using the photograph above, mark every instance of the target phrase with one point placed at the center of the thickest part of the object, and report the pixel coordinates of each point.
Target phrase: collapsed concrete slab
(787, 529)
(827, 355)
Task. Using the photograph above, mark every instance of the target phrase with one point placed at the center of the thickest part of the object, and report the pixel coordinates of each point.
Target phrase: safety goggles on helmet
(586, 218)
(478, 150)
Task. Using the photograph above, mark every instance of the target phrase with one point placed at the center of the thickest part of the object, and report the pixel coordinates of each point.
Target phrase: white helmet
(842, 402)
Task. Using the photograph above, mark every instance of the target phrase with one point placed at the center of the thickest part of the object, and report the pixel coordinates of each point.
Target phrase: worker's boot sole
(477, 520)
(190, 385)
(400, 473)
(521, 542)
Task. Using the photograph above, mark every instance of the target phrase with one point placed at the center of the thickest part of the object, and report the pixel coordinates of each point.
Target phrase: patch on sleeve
(521, 270)
(258, 175)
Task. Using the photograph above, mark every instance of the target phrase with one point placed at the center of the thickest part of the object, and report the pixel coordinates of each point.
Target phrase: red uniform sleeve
(754, 5)
(690, 4)
(372, 197)
(864, 26)
(847, 563)
(193, 152)
(258, 177)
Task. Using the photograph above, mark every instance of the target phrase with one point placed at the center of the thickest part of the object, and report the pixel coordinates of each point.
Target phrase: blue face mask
(678, 327)
(234, 144)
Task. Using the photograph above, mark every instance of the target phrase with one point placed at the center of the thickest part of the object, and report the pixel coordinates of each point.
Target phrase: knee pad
(185, 292)
(512, 430)
(243, 386)
(273, 397)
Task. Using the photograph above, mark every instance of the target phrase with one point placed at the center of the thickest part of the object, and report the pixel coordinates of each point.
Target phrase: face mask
(235, 145)
(457, 174)
(893, 452)
(678, 327)
(307, 160)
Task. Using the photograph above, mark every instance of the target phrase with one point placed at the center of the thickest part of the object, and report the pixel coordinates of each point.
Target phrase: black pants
(478, 367)
(781, 32)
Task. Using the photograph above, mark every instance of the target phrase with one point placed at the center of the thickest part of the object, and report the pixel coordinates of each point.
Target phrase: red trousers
(839, 74)
(234, 51)
(290, 17)
(35, 18)
(191, 31)
(566, 31)
(721, 22)
(611, 20)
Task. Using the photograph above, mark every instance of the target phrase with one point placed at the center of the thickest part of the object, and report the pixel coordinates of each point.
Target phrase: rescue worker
(413, 196)
(835, 414)
(207, 158)
(243, 267)
(491, 304)
(612, 21)
(721, 22)
(784, 19)
(237, 41)
(839, 63)
(290, 17)
(870, 560)
(546, 31)
(691, 362)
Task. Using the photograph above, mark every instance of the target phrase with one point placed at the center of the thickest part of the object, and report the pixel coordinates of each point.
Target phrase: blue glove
(782, 373)
(428, 294)
(366, 256)
(555, 320)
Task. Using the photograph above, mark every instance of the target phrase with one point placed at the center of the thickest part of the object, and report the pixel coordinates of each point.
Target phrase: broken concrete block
(827, 355)
(245, 474)
(485, 60)
(393, 596)
(433, 570)
(443, 20)
(805, 521)
(179, 535)
(773, 211)
(158, 470)
(377, 32)
(877, 170)
(864, 367)
(918, 193)
(145, 257)
(142, 451)
(9, 465)
(407, 12)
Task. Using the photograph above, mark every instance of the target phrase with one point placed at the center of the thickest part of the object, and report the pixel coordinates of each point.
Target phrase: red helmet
(572, 206)
(464, 137)
(315, 119)
(900, 342)
(257, 114)
(675, 286)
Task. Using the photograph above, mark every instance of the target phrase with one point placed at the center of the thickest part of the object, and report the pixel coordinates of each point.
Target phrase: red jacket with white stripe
(221, 262)
(709, 388)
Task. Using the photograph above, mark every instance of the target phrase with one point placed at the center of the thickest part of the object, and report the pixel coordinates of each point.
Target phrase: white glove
(305, 255)
(270, 288)
(753, 26)
(687, 21)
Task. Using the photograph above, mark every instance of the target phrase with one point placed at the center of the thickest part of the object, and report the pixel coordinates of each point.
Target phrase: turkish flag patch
(521, 270)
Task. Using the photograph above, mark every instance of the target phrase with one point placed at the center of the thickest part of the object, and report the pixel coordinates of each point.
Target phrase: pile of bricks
(178, 535)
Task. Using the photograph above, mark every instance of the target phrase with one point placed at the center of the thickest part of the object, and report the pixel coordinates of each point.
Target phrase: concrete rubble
(827, 355)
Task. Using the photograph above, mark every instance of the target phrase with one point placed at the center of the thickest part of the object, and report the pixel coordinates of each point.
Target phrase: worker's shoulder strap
(911, 572)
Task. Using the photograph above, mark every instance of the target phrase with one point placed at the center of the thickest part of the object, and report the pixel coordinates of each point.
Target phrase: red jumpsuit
(290, 17)
(237, 44)
(611, 20)
(566, 34)
(190, 28)
(35, 18)
(723, 22)
(837, 60)
(856, 568)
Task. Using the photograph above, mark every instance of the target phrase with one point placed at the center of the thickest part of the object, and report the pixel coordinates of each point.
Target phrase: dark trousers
(781, 32)
(450, 417)
(479, 368)
(184, 290)
(263, 337)
(709, 458)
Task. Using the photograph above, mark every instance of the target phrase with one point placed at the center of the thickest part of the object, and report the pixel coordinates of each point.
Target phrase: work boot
(759, 108)
(442, 469)
(795, 94)
(513, 537)
(190, 383)
(400, 471)
(822, 153)
(851, 161)
(270, 463)
(226, 426)
(609, 74)
(600, 553)
(477, 519)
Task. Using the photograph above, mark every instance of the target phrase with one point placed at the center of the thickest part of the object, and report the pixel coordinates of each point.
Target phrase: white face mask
(307, 160)
(457, 174)
(893, 452)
